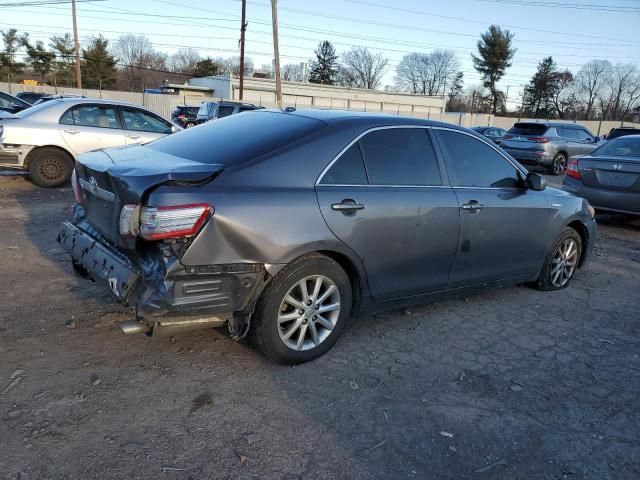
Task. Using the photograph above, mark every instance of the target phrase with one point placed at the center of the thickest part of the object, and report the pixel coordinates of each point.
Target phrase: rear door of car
(386, 197)
(143, 126)
(89, 126)
(503, 229)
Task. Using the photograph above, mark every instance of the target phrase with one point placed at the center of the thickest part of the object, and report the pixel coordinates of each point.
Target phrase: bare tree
(362, 68)
(184, 60)
(142, 63)
(563, 94)
(623, 79)
(590, 81)
(427, 74)
(294, 72)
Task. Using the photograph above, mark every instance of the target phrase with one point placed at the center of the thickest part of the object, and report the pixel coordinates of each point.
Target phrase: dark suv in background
(213, 110)
(549, 144)
(185, 116)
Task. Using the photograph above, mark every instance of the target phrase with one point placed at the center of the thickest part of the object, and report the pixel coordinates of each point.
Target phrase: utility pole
(276, 51)
(77, 44)
(243, 27)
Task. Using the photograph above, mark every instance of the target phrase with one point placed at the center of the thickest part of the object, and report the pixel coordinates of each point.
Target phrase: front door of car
(503, 227)
(385, 197)
(588, 142)
(89, 126)
(141, 126)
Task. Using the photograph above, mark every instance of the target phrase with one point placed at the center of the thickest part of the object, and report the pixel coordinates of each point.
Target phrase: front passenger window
(139, 120)
(91, 116)
(475, 164)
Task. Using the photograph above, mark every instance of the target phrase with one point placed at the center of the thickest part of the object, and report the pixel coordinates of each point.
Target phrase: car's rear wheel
(50, 167)
(561, 262)
(303, 310)
(559, 164)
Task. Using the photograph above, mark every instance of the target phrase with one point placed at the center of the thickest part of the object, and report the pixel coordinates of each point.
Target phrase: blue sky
(573, 34)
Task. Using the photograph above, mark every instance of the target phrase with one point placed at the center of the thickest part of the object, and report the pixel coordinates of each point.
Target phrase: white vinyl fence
(165, 104)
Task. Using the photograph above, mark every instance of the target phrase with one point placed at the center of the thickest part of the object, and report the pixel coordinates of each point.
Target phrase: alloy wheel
(564, 262)
(559, 164)
(309, 312)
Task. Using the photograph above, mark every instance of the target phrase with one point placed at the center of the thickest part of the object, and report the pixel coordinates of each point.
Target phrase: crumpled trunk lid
(115, 177)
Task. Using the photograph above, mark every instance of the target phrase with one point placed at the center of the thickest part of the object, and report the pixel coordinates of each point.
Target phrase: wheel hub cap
(309, 312)
(564, 262)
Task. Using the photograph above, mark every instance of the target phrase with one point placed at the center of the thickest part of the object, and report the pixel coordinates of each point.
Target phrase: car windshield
(620, 147)
(528, 129)
(227, 141)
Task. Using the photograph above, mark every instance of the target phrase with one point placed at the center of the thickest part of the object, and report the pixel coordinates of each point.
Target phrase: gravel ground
(512, 383)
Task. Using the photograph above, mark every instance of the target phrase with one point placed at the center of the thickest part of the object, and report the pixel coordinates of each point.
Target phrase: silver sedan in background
(47, 138)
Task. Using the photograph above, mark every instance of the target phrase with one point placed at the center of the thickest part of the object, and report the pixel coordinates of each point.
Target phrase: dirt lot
(513, 383)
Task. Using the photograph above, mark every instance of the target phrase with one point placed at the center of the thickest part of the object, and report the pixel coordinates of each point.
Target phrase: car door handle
(133, 136)
(472, 205)
(347, 205)
(71, 131)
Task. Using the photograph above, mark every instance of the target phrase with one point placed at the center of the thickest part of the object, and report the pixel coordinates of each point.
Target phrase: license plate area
(616, 179)
(99, 260)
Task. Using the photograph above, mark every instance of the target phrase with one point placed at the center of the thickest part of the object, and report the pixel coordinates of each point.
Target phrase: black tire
(264, 332)
(558, 165)
(50, 167)
(544, 281)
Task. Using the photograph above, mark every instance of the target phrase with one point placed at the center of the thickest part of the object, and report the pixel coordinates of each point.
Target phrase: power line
(44, 2)
(572, 6)
(481, 22)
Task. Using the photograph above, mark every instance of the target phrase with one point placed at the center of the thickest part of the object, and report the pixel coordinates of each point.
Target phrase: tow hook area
(171, 325)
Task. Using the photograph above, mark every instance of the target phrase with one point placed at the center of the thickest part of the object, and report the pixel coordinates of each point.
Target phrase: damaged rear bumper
(166, 295)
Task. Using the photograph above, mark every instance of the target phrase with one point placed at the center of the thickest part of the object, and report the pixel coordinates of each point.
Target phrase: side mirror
(535, 181)
(596, 140)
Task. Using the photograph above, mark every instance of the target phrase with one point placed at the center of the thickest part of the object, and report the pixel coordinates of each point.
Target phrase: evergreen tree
(39, 58)
(539, 94)
(495, 54)
(9, 66)
(325, 67)
(65, 59)
(98, 65)
(207, 67)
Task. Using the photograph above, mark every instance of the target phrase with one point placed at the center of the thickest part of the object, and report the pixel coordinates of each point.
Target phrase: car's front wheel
(303, 310)
(558, 164)
(561, 262)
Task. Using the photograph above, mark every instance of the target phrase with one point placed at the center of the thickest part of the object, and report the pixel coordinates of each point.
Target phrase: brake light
(572, 169)
(175, 221)
(182, 117)
(538, 139)
(77, 191)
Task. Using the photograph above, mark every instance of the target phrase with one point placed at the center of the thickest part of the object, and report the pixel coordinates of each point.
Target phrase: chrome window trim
(373, 129)
(520, 168)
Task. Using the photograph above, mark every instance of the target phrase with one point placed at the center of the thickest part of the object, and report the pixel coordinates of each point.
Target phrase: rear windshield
(528, 129)
(237, 138)
(623, 146)
(620, 132)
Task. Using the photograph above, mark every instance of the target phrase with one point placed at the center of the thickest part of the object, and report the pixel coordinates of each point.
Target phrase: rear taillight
(77, 191)
(175, 221)
(572, 169)
(182, 117)
(538, 139)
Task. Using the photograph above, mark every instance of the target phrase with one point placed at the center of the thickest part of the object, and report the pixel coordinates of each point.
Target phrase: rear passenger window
(91, 116)
(400, 156)
(475, 164)
(347, 170)
(224, 111)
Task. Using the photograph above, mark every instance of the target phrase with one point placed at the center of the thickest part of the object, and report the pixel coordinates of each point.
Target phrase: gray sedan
(47, 138)
(316, 216)
(609, 177)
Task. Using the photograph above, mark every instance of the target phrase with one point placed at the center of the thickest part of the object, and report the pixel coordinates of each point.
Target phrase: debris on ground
(502, 461)
(446, 434)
